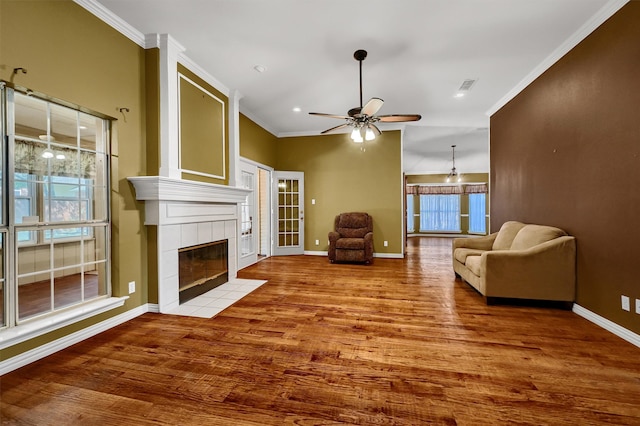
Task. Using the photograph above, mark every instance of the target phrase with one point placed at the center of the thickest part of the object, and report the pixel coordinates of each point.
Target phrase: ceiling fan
(363, 118)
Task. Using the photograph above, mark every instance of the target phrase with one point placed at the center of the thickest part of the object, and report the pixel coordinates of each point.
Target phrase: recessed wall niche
(202, 132)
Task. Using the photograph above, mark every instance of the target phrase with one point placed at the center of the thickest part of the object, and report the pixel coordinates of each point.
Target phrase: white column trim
(169, 126)
(234, 137)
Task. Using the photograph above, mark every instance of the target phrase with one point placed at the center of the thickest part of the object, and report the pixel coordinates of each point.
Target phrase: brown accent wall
(566, 152)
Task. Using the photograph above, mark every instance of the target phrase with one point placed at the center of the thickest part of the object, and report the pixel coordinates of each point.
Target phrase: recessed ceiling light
(260, 68)
(297, 109)
(459, 95)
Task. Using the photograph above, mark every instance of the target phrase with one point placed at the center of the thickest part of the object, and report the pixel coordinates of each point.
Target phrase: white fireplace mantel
(159, 188)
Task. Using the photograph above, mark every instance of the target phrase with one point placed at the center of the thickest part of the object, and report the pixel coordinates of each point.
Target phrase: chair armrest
(333, 236)
(546, 271)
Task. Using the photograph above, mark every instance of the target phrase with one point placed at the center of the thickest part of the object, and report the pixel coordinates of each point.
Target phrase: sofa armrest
(546, 271)
(478, 243)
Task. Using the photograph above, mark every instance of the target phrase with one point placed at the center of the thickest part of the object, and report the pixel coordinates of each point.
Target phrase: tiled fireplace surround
(187, 213)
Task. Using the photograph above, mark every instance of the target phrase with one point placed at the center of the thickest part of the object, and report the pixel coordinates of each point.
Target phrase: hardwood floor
(399, 342)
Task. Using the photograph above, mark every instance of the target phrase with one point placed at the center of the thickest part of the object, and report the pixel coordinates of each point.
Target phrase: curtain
(476, 189)
(411, 189)
(439, 212)
(440, 189)
(410, 218)
(477, 212)
(28, 159)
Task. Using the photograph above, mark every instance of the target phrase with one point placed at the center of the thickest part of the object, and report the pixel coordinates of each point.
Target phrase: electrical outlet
(386, 243)
(625, 303)
(132, 287)
(637, 306)
(317, 242)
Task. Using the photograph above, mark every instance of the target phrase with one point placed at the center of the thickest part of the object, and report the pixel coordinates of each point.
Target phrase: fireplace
(202, 268)
(187, 214)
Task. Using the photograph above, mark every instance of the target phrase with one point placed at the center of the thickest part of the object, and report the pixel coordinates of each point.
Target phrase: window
(57, 229)
(477, 213)
(439, 213)
(410, 221)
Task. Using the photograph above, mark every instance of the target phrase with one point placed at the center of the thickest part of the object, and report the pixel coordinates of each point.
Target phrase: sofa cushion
(473, 264)
(532, 235)
(507, 233)
(350, 243)
(461, 253)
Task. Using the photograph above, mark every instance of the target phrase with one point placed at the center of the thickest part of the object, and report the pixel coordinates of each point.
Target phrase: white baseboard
(315, 253)
(154, 307)
(608, 325)
(382, 255)
(47, 349)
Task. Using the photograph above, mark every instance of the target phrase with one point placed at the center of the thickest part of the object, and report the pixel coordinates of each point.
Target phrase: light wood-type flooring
(399, 342)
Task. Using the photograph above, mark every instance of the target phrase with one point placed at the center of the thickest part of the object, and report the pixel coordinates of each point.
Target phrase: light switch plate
(624, 300)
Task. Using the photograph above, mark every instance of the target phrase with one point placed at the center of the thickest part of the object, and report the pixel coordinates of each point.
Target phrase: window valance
(447, 189)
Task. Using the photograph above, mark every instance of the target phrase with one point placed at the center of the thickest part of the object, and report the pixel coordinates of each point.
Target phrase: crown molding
(596, 20)
(113, 20)
(203, 74)
(249, 114)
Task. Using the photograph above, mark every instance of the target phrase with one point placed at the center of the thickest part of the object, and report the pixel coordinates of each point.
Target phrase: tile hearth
(214, 301)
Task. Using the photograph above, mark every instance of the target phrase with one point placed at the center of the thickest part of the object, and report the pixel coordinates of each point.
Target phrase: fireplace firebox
(202, 268)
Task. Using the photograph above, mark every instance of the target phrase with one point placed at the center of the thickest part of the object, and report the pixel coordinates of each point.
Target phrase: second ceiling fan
(363, 118)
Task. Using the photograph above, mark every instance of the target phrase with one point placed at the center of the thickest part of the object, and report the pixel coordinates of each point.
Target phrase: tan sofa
(521, 261)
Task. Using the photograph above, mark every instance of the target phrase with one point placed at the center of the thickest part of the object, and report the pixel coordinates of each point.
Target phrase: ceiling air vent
(466, 85)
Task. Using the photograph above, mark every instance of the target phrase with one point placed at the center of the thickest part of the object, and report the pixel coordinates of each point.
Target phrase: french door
(288, 196)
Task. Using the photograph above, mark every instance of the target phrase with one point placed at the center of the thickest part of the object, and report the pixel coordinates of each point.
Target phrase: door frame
(260, 208)
(289, 250)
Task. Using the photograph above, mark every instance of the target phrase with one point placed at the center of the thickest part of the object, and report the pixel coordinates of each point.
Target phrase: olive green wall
(464, 200)
(342, 178)
(256, 143)
(565, 152)
(191, 150)
(72, 55)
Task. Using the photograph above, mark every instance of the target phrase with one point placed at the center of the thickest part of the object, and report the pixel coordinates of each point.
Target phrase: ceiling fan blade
(321, 114)
(334, 128)
(397, 118)
(372, 106)
(375, 129)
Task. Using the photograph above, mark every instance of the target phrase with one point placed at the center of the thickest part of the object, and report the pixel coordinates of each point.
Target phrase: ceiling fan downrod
(360, 55)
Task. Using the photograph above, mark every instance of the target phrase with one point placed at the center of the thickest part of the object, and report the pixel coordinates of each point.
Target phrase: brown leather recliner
(352, 240)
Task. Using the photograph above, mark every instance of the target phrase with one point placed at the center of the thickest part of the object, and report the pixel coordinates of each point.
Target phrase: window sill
(38, 327)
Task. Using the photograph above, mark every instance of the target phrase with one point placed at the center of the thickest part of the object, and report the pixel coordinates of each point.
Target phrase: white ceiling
(420, 51)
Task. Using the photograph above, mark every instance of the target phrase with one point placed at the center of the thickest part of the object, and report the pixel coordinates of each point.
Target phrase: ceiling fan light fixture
(369, 135)
(356, 135)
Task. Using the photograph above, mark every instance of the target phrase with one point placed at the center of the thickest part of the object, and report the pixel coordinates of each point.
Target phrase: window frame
(100, 177)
